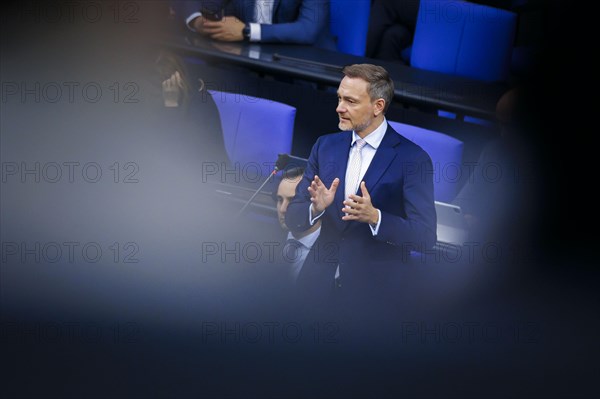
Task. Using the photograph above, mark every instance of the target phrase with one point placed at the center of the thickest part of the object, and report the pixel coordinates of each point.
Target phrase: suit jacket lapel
(384, 156)
(248, 7)
(275, 6)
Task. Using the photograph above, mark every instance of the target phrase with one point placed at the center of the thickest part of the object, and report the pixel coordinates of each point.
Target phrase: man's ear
(378, 106)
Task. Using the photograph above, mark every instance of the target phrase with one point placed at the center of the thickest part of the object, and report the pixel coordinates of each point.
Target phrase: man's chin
(344, 126)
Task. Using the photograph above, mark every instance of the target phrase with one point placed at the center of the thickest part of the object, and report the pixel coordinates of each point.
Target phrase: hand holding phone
(212, 15)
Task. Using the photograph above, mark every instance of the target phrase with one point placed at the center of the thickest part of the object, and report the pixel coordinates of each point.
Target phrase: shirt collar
(375, 137)
(308, 240)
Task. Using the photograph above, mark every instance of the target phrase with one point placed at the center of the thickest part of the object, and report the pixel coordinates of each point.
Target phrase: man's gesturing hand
(360, 208)
(321, 196)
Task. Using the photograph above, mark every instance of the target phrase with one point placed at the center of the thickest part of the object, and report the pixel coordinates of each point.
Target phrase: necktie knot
(360, 143)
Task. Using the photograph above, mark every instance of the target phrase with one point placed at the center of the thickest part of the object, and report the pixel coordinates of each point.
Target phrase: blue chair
(255, 130)
(461, 38)
(445, 153)
(349, 23)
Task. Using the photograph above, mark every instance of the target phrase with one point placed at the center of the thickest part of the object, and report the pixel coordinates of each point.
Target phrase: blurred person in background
(266, 21)
(298, 244)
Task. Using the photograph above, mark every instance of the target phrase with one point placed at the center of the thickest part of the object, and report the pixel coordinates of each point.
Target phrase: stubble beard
(357, 128)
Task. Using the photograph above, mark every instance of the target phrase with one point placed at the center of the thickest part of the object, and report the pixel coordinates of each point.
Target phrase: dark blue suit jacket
(400, 181)
(294, 21)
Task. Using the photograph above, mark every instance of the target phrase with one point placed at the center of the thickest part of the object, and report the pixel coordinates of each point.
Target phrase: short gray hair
(380, 83)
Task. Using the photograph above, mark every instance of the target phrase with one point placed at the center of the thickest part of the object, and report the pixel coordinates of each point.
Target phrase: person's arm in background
(188, 11)
(313, 18)
(229, 28)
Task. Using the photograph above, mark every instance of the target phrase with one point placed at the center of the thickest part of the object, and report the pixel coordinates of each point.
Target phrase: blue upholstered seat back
(255, 129)
(445, 153)
(349, 23)
(465, 39)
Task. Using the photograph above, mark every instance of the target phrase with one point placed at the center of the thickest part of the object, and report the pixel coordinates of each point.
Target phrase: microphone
(285, 160)
(282, 161)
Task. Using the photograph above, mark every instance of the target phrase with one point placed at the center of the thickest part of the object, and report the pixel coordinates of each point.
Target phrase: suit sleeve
(313, 18)
(297, 215)
(418, 230)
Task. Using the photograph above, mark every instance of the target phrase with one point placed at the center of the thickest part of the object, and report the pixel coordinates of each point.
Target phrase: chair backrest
(349, 23)
(445, 153)
(255, 130)
(465, 39)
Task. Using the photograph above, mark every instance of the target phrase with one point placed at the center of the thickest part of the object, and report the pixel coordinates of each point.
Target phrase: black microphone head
(282, 161)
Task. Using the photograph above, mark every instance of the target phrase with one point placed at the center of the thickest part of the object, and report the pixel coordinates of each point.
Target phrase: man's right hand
(321, 196)
(198, 24)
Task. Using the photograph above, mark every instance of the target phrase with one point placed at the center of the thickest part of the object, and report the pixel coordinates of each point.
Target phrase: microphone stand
(256, 192)
(282, 161)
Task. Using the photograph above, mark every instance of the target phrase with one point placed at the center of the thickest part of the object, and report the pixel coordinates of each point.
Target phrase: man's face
(355, 108)
(285, 193)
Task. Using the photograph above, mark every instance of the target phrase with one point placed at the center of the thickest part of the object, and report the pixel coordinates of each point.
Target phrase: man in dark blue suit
(271, 21)
(371, 188)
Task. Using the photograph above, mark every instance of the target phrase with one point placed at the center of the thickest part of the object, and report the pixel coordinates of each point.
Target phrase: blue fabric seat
(445, 153)
(255, 130)
(464, 39)
(349, 23)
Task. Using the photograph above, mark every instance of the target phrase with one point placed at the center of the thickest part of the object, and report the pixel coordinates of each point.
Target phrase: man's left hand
(360, 208)
(229, 29)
